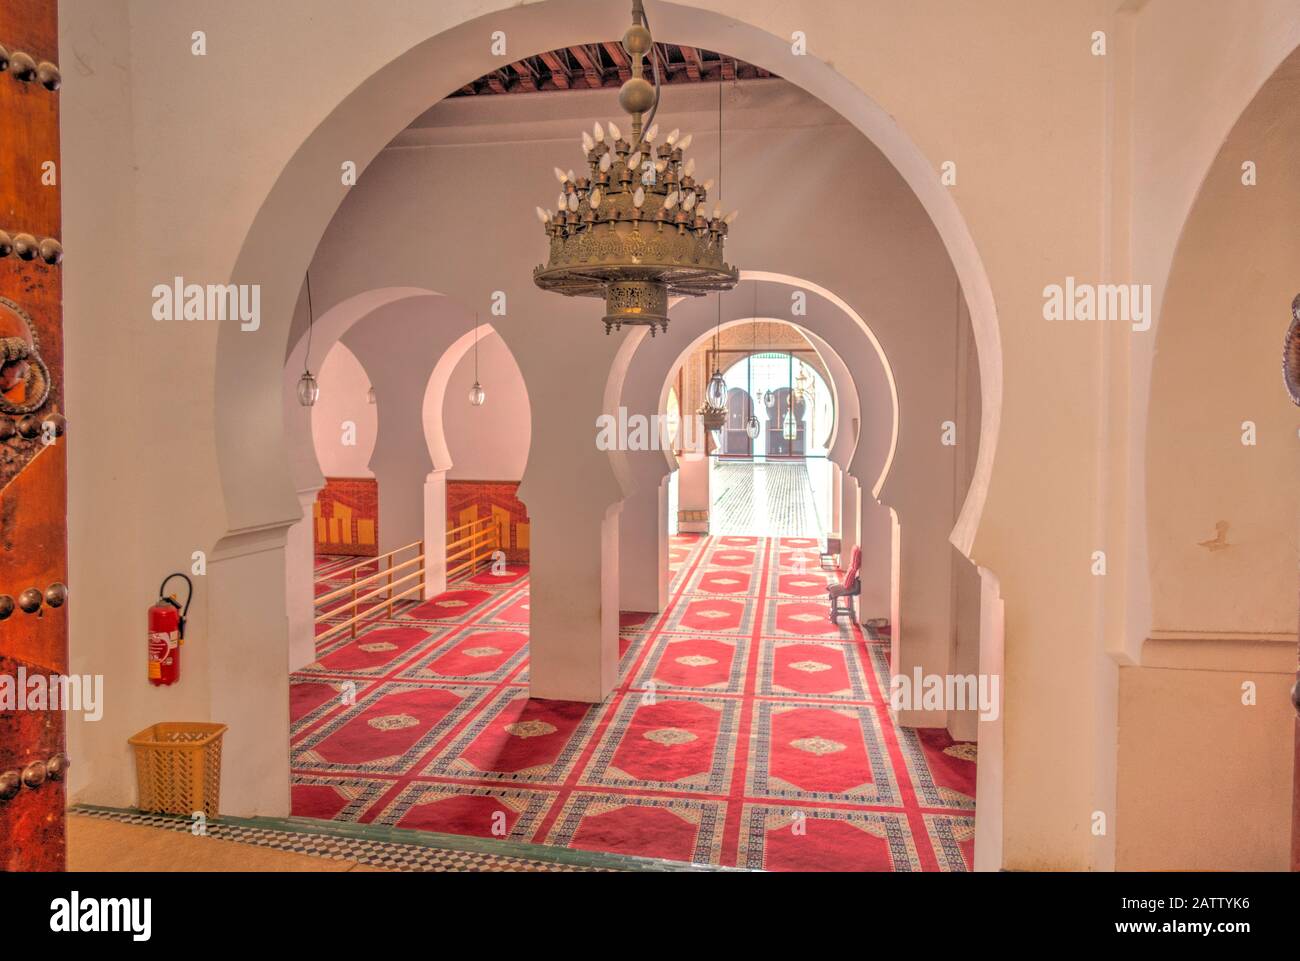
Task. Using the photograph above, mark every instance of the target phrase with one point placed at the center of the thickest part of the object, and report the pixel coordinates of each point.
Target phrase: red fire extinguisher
(167, 633)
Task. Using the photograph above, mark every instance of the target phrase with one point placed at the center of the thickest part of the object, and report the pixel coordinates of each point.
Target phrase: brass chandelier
(634, 230)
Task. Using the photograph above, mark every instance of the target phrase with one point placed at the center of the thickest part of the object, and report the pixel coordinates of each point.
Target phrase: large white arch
(298, 207)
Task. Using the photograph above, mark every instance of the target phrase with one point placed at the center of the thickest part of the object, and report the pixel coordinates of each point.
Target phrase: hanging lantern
(716, 391)
(789, 427)
(308, 389)
(752, 427)
(768, 398)
(802, 383)
(477, 395)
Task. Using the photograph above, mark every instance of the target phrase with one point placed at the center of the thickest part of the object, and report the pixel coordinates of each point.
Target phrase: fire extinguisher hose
(162, 597)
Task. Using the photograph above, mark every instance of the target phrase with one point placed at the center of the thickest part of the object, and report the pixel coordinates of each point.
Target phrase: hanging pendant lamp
(769, 398)
(752, 426)
(308, 388)
(477, 395)
(713, 413)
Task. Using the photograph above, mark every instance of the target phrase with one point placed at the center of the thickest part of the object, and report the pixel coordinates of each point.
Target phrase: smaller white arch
(846, 308)
(439, 380)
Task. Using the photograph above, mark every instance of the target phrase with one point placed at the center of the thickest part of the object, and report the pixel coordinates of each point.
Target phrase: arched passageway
(1117, 147)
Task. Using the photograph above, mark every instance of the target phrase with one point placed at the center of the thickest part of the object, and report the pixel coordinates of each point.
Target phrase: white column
(693, 490)
(989, 772)
(573, 643)
(837, 494)
(299, 581)
(435, 533)
(850, 530)
(643, 537)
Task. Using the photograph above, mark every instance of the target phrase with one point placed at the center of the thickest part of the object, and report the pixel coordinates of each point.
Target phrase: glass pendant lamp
(308, 388)
(716, 391)
(477, 395)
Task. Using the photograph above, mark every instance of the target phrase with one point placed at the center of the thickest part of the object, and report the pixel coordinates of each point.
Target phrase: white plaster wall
(1216, 368)
(489, 442)
(344, 451)
(1223, 612)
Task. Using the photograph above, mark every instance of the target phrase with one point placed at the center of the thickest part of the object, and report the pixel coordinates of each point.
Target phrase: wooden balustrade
(383, 576)
(470, 544)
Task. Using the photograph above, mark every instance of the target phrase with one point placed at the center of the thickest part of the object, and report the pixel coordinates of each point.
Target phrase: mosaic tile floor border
(393, 848)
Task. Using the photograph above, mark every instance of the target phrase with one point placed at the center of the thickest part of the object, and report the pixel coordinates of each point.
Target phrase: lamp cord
(310, 323)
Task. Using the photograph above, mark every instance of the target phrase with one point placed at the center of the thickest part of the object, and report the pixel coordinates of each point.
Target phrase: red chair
(841, 595)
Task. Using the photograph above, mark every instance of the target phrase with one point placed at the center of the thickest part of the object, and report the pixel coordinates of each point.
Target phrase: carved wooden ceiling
(606, 65)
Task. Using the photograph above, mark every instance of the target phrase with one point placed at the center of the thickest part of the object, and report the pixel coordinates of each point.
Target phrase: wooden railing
(471, 544)
(383, 576)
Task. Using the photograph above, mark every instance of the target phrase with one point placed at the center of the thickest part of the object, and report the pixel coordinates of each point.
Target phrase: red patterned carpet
(747, 729)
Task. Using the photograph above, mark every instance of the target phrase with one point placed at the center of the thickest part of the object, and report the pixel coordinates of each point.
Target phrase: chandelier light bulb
(690, 165)
(708, 184)
(569, 176)
(689, 202)
(671, 200)
(638, 198)
(614, 132)
(560, 175)
(308, 389)
(634, 161)
(542, 215)
(598, 132)
(731, 217)
(652, 133)
(685, 141)
(594, 198)
(606, 161)
(661, 166)
(588, 144)
(717, 213)
(672, 137)
(477, 395)
(573, 202)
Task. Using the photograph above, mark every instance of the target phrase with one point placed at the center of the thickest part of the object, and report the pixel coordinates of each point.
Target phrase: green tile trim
(428, 839)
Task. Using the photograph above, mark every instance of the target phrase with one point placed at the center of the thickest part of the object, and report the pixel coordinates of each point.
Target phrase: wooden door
(735, 439)
(33, 472)
(1291, 379)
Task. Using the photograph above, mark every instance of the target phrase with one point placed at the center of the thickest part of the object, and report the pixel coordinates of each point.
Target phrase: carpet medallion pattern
(747, 730)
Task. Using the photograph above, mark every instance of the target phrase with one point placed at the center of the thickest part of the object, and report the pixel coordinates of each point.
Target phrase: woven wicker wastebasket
(178, 767)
